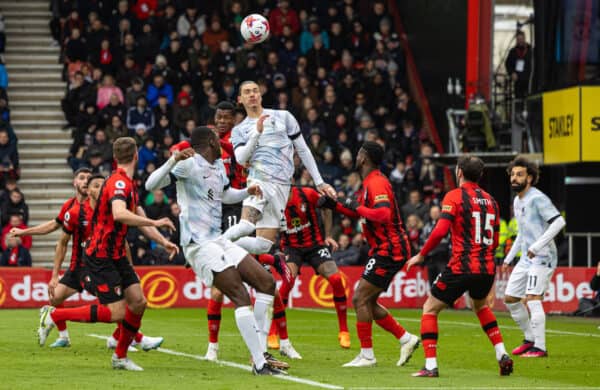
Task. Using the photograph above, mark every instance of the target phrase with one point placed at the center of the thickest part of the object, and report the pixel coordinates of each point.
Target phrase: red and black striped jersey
(78, 223)
(237, 175)
(107, 239)
(385, 239)
(63, 209)
(475, 218)
(302, 222)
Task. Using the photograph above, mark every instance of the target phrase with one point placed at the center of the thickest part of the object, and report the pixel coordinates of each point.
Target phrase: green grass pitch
(466, 358)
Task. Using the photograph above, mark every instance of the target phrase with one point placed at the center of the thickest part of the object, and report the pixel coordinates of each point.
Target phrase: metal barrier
(589, 236)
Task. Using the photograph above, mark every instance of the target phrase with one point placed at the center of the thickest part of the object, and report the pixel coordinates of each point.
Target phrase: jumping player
(539, 222)
(202, 187)
(389, 250)
(108, 273)
(473, 217)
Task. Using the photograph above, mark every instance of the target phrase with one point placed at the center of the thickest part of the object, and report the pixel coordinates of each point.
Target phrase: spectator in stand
(140, 114)
(9, 157)
(97, 164)
(3, 75)
(144, 9)
(191, 18)
(116, 129)
(15, 206)
(79, 94)
(75, 49)
(159, 87)
(126, 73)
(347, 254)
(15, 254)
(428, 173)
(156, 205)
(282, 16)
(4, 109)
(406, 109)
(207, 112)
(163, 108)
(15, 221)
(107, 89)
(113, 108)
(214, 35)
(330, 171)
(436, 259)
(147, 154)
(518, 65)
(415, 207)
(414, 225)
(409, 140)
(307, 38)
(183, 110)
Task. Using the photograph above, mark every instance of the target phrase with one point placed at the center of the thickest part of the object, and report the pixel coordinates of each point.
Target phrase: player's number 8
(370, 264)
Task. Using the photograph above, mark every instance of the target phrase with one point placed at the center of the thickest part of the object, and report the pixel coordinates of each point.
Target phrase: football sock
(255, 245)
(487, 319)
(246, 323)
(241, 229)
(213, 315)
(519, 313)
(391, 325)
(117, 333)
(61, 325)
(138, 337)
(538, 323)
(429, 337)
(262, 304)
(279, 318)
(266, 259)
(340, 300)
(129, 327)
(88, 313)
(365, 335)
(285, 289)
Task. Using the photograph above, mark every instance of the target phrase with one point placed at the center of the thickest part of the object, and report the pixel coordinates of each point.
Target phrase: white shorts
(271, 205)
(531, 280)
(213, 256)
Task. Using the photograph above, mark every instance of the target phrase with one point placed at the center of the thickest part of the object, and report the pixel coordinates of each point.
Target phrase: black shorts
(380, 270)
(107, 279)
(448, 287)
(232, 213)
(314, 256)
(73, 279)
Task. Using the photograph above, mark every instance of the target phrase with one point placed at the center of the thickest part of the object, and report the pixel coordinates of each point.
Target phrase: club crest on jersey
(118, 290)
(120, 184)
(67, 216)
(303, 207)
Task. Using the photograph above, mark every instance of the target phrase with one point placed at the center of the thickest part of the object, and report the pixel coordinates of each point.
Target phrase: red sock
(285, 289)
(279, 317)
(117, 333)
(89, 313)
(487, 319)
(429, 334)
(138, 337)
(213, 314)
(61, 325)
(340, 300)
(129, 328)
(391, 325)
(266, 258)
(365, 334)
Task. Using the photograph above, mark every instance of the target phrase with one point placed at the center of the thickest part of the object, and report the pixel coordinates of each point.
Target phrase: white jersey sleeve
(545, 207)
(292, 126)
(182, 169)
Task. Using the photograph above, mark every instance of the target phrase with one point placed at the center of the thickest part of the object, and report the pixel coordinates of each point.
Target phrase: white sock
(367, 353)
(215, 345)
(63, 334)
(255, 245)
(538, 323)
(284, 343)
(241, 229)
(500, 351)
(519, 313)
(246, 323)
(262, 304)
(430, 363)
(405, 338)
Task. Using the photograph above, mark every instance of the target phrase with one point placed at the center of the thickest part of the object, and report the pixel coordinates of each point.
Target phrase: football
(255, 28)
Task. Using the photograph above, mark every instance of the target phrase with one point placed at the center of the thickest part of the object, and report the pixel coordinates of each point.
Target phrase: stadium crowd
(14, 212)
(154, 70)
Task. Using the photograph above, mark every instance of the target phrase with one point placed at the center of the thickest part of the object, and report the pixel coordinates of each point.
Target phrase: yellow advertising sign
(590, 123)
(562, 133)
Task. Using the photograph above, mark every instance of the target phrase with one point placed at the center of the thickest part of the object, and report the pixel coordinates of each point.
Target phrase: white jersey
(534, 213)
(273, 158)
(200, 187)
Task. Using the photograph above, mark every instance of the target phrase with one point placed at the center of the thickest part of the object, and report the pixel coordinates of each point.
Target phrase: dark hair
(225, 106)
(374, 152)
(532, 168)
(82, 170)
(243, 83)
(94, 177)
(471, 166)
(200, 136)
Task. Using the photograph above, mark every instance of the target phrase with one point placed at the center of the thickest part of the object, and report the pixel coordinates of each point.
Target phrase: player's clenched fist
(255, 190)
(260, 124)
